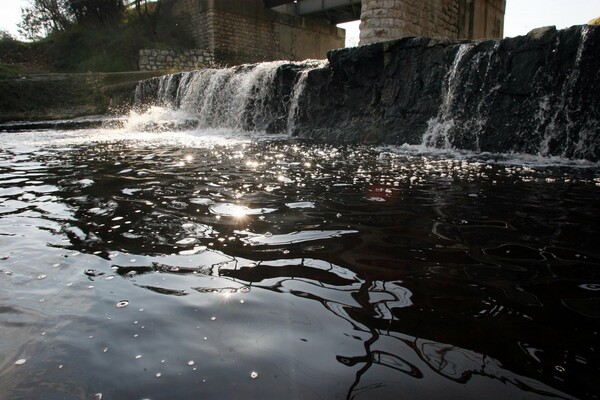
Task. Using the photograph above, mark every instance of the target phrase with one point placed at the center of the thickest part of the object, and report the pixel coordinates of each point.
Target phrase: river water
(222, 265)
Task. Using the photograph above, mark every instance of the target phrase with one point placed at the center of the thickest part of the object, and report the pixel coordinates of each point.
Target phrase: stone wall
(383, 20)
(165, 60)
(244, 31)
(392, 19)
(195, 18)
(530, 94)
(481, 19)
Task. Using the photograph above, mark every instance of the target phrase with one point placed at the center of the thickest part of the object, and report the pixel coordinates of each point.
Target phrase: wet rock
(535, 93)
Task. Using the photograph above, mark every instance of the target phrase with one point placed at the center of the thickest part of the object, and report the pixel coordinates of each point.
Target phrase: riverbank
(52, 96)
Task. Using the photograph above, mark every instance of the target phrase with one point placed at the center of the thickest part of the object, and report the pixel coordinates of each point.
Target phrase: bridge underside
(334, 11)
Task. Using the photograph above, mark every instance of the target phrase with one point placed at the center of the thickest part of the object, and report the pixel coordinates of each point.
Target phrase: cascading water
(298, 91)
(249, 97)
(565, 106)
(439, 128)
(532, 94)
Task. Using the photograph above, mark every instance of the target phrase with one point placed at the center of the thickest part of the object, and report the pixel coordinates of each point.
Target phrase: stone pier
(383, 20)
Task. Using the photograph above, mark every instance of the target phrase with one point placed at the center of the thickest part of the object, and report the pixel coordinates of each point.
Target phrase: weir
(535, 94)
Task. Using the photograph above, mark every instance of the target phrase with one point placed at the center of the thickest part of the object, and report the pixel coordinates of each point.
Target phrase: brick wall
(165, 60)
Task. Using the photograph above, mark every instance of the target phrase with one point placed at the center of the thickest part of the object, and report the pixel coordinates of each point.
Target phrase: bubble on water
(187, 241)
(253, 374)
(42, 276)
(191, 362)
(560, 368)
(590, 286)
(122, 303)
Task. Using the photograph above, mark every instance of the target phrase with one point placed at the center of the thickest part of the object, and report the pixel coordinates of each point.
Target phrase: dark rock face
(537, 94)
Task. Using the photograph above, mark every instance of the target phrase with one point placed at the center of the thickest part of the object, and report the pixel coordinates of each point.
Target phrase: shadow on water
(279, 268)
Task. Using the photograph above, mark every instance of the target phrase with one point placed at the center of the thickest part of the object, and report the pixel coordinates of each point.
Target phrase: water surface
(216, 264)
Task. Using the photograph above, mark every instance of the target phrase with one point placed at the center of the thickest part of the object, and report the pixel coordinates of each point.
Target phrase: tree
(42, 17)
(95, 11)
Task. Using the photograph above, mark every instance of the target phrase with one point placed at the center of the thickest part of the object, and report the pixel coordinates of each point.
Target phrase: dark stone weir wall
(538, 93)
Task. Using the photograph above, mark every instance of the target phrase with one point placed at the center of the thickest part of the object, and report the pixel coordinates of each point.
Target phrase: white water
(439, 128)
(238, 98)
(552, 109)
(298, 91)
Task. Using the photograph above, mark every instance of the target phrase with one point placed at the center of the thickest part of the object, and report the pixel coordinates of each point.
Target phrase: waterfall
(258, 97)
(532, 101)
(573, 136)
(535, 94)
(298, 91)
(439, 128)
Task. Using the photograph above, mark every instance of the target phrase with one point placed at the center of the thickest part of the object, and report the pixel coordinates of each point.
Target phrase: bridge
(247, 31)
(391, 19)
(334, 11)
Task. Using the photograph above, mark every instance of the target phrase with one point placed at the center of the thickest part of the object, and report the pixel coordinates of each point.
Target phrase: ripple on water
(234, 210)
(295, 237)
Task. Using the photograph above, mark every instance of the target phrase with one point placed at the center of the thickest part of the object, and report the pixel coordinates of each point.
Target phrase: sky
(521, 15)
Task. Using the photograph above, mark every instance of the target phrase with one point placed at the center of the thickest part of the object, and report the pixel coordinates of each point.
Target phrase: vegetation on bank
(88, 36)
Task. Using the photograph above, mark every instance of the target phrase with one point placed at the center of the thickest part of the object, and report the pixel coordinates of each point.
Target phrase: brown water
(219, 265)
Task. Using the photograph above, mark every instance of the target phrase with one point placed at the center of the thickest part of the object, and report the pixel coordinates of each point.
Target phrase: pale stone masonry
(383, 20)
(168, 60)
(244, 31)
